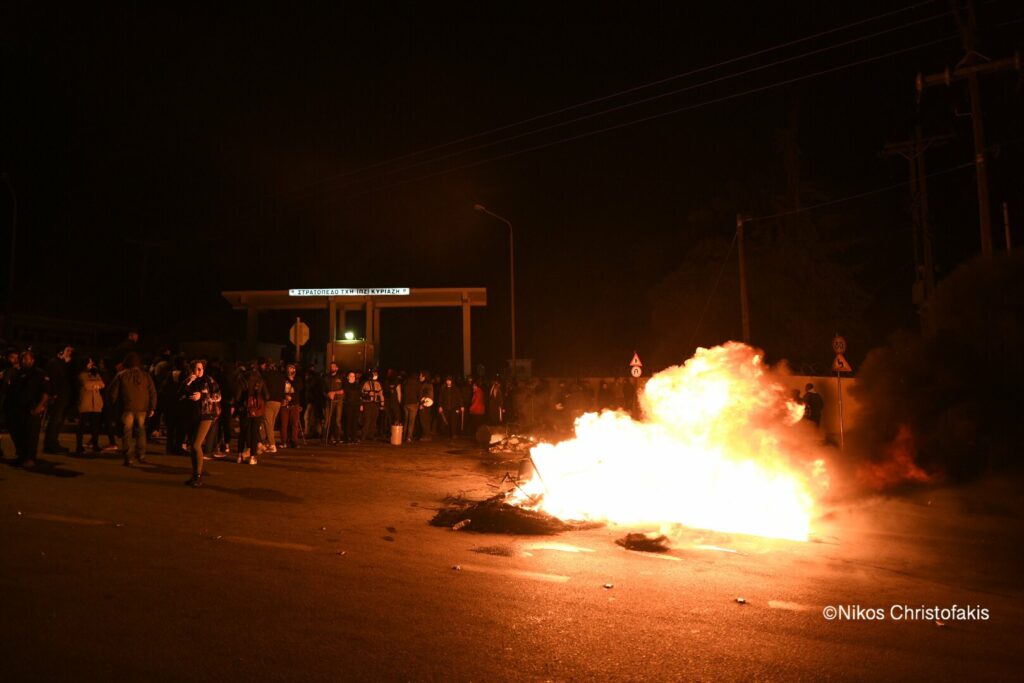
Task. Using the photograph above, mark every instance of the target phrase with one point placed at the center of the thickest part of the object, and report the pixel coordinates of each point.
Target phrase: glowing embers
(719, 448)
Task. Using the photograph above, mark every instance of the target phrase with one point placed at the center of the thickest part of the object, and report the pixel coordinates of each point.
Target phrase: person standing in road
(449, 407)
(426, 408)
(411, 402)
(373, 401)
(59, 372)
(26, 403)
(90, 406)
(477, 409)
(251, 399)
(291, 408)
(275, 393)
(201, 406)
(314, 391)
(334, 383)
(134, 388)
(393, 400)
(353, 405)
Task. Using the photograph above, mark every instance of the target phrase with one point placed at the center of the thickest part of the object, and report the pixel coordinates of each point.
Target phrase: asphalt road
(319, 564)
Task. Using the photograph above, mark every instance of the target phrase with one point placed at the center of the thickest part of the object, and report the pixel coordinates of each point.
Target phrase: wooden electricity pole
(924, 264)
(969, 69)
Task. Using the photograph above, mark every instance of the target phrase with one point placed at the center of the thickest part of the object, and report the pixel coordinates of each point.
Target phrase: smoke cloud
(946, 405)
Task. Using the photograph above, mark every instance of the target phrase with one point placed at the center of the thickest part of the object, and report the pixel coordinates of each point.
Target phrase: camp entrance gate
(370, 300)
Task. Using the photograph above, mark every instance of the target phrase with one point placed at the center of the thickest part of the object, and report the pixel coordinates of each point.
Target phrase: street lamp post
(511, 277)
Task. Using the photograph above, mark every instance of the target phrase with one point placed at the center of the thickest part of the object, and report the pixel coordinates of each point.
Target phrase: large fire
(719, 448)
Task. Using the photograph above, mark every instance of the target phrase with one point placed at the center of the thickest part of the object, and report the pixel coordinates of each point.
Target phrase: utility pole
(969, 69)
(744, 303)
(924, 264)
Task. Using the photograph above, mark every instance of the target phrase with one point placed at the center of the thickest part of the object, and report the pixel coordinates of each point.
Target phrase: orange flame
(717, 449)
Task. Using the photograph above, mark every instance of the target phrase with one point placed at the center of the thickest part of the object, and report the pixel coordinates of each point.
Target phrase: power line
(880, 190)
(652, 98)
(627, 91)
(851, 197)
(659, 115)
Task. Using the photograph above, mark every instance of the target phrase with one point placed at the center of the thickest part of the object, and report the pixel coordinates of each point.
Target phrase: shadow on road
(267, 495)
(156, 468)
(47, 467)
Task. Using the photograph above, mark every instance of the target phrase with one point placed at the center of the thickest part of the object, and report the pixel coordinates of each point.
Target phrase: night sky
(161, 154)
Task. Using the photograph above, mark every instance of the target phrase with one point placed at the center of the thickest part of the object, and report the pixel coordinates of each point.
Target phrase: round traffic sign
(299, 333)
(636, 371)
(838, 344)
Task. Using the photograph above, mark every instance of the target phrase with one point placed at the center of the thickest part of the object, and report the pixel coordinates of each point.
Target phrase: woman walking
(201, 406)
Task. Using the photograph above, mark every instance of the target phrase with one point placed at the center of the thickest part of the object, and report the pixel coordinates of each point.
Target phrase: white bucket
(396, 435)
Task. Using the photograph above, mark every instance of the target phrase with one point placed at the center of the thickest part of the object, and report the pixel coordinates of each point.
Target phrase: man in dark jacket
(449, 407)
(353, 406)
(26, 401)
(334, 384)
(135, 390)
(275, 390)
(59, 372)
(411, 402)
(314, 392)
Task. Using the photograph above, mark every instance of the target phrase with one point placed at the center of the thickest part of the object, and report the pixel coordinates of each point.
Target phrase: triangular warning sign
(840, 364)
(635, 363)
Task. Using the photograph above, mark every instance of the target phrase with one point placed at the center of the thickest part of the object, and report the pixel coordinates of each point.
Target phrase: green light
(349, 336)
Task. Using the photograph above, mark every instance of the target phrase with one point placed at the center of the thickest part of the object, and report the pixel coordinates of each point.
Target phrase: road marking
(67, 519)
(712, 547)
(660, 556)
(280, 545)
(562, 547)
(791, 606)
(536, 576)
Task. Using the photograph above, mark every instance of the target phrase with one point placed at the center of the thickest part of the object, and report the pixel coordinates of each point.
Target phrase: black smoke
(949, 399)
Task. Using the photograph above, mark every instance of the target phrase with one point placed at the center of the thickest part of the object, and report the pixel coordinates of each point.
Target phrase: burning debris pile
(720, 447)
(496, 515)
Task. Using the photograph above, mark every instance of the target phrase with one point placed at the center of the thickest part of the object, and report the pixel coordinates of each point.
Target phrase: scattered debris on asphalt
(390, 539)
(741, 601)
(456, 568)
(609, 586)
(494, 515)
(390, 529)
(497, 550)
(940, 624)
(648, 543)
(461, 525)
(341, 552)
(514, 443)
(323, 528)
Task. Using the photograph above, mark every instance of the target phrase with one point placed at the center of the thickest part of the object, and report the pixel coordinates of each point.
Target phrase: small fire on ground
(720, 447)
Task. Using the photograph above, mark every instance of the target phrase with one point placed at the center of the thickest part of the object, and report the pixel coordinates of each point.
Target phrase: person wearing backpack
(252, 399)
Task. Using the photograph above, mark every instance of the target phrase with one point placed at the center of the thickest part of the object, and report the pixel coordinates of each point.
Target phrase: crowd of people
(201, 408)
